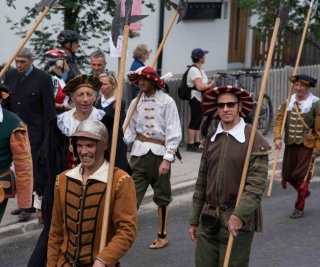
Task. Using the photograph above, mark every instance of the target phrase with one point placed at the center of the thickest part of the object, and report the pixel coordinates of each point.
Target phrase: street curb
(19, 228)
(33, 225)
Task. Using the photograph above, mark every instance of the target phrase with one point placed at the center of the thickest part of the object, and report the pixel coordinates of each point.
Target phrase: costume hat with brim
(148, 73)
(4, 91)
(305, 79)
(210, 100)
(83, 80)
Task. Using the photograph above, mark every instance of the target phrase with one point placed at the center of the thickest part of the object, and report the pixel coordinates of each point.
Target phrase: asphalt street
(283, 243)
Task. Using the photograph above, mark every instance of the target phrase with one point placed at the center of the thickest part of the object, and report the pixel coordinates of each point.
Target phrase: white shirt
(106, 102)
(195, 73)
(1, 113)
(237, 131)
(100, 174)
(304, 105)
(156, 117)
(67, 123)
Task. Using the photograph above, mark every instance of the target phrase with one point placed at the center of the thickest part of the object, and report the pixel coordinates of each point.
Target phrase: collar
(304, 105)
(29, 70)
(106, 102)
(1, 113)
(159, 97)
(237, 131)
(100, 175)
(67, 123)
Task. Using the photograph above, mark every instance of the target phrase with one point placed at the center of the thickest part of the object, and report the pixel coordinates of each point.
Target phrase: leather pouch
(210, 223)
(8, 185)
(309, 139)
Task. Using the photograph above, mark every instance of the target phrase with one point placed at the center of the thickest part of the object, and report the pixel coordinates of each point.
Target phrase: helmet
(67, 36)
(56, 54)
(92, 129)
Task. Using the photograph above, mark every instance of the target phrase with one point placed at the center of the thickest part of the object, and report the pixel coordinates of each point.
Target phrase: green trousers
(210, 249)
(146, 172)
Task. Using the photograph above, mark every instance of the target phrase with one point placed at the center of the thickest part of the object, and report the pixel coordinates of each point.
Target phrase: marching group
(56, 133)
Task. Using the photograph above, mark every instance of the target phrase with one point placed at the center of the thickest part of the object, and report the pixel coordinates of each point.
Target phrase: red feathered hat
(147, 72)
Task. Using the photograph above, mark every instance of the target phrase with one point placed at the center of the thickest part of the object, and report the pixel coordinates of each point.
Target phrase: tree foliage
(87, 17)
(293, 14)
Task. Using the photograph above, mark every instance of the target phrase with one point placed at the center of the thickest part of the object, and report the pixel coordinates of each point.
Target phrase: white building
(228, 38)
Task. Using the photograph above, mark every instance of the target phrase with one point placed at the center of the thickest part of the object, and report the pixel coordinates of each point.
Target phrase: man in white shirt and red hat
(155, 132)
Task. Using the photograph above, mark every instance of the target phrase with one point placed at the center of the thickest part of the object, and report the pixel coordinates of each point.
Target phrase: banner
(136, 10)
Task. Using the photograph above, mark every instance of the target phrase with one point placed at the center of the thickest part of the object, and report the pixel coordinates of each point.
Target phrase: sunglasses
(228, 104)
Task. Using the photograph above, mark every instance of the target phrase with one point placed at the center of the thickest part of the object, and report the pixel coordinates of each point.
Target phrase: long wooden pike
(180, 9)
(254, 127)
(295, 70)
(48, 4)
(117, 22)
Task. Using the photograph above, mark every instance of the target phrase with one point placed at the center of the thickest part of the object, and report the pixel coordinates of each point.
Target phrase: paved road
(285, 242)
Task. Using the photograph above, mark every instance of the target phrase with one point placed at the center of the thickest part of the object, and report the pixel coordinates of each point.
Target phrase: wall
(185, 36)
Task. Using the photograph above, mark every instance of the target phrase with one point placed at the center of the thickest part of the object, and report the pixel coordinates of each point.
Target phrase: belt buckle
(142, 138)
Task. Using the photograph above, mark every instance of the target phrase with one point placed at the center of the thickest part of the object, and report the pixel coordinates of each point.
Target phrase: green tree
(87, 17)
(293, 14)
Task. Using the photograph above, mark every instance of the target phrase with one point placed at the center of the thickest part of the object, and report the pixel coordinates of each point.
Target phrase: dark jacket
(109, 110)
(33, 101)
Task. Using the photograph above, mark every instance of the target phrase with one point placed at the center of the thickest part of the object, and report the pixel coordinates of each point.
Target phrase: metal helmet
(92, 129)
(95, 130)
(67, 36)
(56, 54)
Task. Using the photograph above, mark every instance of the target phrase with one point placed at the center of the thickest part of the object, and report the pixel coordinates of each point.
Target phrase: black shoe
(24, 216)
(16, 212)
(193, 148)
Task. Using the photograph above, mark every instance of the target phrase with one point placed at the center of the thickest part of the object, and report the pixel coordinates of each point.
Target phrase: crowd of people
(56, 130)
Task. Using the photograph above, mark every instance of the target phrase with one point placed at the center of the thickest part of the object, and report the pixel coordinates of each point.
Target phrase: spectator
(82, 191)
(98, 63)
(155, 132)
(57, 65)
(14, 147)
(196, 78)
(32, 100)
(57, 155)
(140, 55)
(107, 100)
(214, 213)
(303, 113)
(69, 41)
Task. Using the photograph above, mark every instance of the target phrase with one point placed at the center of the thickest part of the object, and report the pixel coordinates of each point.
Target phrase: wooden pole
(125, 126)
(295, 70)
(114, 138)
(24, 41)
(253, 132)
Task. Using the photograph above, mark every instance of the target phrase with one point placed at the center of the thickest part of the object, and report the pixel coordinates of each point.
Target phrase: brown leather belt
(143, 138)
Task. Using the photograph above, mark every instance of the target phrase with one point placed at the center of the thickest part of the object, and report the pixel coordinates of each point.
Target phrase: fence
(277, 88)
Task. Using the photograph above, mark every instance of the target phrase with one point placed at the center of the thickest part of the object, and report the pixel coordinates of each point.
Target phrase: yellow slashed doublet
(77, 220)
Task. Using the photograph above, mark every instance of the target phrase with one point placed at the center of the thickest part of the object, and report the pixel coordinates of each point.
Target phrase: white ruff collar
(67, 123)
(237, 131)
(304, 105)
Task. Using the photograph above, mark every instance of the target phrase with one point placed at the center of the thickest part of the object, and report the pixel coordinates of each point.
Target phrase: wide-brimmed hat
(210, 99)
(4, 91)
(83, 80)
(146, 72)
(198, 52)
(305, 79)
